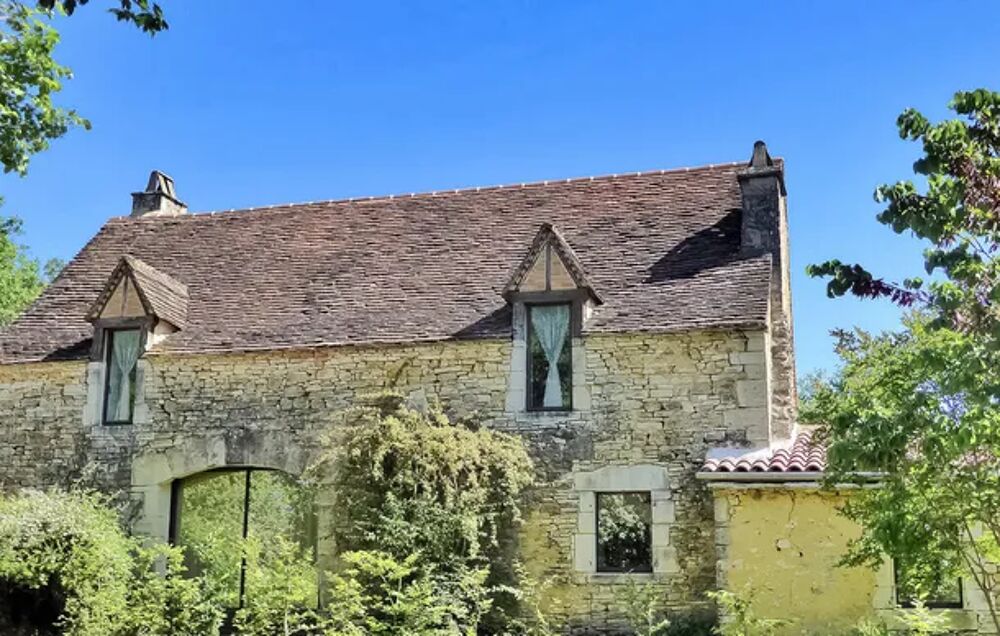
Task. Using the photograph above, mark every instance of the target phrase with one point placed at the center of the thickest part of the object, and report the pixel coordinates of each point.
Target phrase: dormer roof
(135, 286)
(549, 265)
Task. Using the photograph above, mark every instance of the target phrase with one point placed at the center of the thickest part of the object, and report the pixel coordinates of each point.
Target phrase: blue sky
(254, 103)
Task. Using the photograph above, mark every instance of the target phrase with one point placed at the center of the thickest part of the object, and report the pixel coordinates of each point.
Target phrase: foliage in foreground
(740, 617)
(437, 498)
(66, 562)
(922, 407)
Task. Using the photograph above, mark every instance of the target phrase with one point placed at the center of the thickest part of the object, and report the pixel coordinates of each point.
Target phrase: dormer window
(550, 369)
(138, 305)
(551, 296)
(122, 350)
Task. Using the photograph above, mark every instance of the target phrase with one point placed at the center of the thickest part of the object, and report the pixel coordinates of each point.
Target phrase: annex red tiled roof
(661, 249)
(805, 452)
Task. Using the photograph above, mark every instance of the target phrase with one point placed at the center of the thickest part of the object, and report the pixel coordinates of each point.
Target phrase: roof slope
(659, 247)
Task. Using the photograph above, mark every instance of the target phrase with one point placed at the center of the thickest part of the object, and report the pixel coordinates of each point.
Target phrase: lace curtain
(124, 356)
(551, 325)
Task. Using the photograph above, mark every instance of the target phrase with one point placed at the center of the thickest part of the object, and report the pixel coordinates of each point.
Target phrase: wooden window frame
(570, 334)
(597, 532)
(105, 337)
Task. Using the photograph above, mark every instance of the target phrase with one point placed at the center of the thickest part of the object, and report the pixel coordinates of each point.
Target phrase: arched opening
(244, 528)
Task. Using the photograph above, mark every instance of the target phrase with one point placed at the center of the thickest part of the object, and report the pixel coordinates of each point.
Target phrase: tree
(30, 120)
(21, 277)
(921, 407)
(958, 214)
(68, 567)
(30, 75)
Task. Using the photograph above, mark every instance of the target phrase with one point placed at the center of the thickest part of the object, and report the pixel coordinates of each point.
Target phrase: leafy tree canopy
(30, 119)
(22, 278)
(68, 567)
(957, 213)
(30, 76)
(921, 408)
(438, 498)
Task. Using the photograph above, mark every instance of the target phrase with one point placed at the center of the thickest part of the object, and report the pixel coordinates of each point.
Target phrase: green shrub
(377, 595)
(66, 555)
(441, 497)
(643, 608)
(739, 617)
(282, 590)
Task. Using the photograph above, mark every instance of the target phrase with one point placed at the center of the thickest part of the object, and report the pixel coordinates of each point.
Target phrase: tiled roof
(805, 452)
(166, 297)
(661, 248)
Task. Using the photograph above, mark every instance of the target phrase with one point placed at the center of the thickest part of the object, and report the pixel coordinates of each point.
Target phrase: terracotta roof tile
(803, 453)
(661, 248)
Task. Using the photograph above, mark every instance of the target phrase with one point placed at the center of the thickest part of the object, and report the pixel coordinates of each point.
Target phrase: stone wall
(659, 401)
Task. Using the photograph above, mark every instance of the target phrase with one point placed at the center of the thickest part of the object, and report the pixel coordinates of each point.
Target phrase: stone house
(635, 328)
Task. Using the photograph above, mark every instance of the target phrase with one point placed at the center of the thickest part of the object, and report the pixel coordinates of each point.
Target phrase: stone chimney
(158, 199)
(764, 230)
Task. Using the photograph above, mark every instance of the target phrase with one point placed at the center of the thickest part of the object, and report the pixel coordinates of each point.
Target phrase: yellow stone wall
(783, 545)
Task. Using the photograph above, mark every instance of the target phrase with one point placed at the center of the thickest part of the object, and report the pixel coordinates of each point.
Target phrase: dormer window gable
(137, 306)
(136, 291)
(550, 269)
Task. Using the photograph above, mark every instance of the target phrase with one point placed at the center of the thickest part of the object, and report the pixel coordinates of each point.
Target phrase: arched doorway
(243, 528)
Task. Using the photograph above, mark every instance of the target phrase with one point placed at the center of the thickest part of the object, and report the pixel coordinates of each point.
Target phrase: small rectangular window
(121, 356)
(624, 532)
(947, 592)
(550, 369)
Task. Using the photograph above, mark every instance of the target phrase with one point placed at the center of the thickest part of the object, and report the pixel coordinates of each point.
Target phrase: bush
(739, 617)
(66, 556)
(436, 497)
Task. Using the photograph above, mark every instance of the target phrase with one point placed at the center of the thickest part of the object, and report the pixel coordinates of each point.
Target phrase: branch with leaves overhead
(958, 214)
(146, 15)
(30, 76)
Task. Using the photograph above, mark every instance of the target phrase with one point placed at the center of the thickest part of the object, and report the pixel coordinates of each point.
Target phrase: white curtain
(124, 355)
(551, 324)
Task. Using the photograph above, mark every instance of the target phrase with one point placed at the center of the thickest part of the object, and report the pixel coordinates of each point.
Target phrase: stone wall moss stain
(654, 398)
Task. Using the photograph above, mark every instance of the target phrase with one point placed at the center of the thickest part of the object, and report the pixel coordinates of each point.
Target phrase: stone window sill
(619, 578)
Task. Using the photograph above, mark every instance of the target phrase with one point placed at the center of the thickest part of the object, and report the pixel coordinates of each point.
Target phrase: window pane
(946, 592)
(209, 525)
(550, 374)
(122, 356)
(624, 532)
